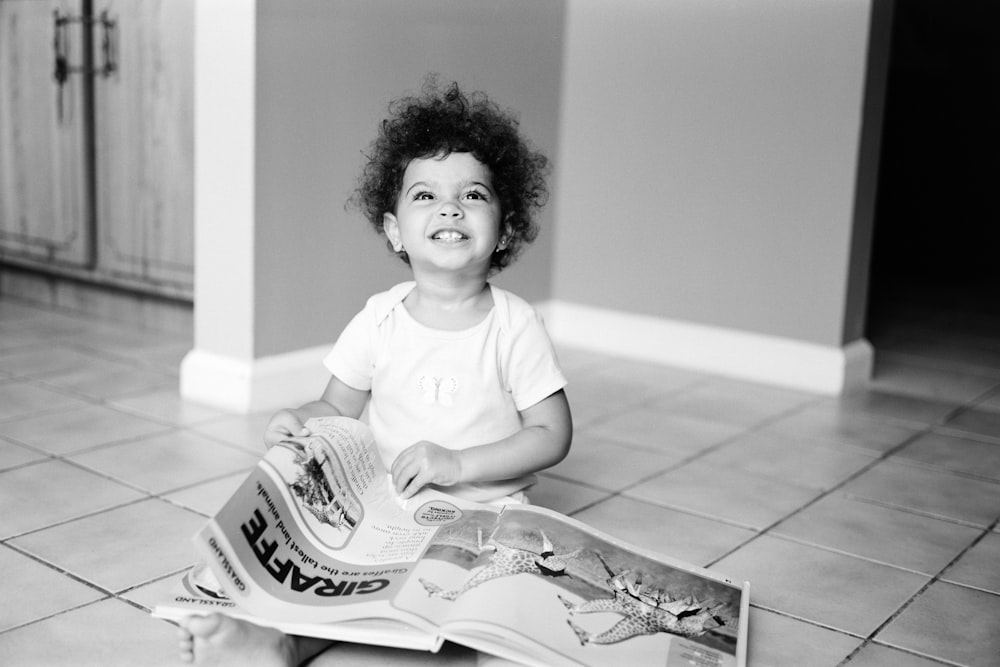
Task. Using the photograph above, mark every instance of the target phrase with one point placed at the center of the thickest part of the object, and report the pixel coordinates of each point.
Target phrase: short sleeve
(532, 370)
(352, 359)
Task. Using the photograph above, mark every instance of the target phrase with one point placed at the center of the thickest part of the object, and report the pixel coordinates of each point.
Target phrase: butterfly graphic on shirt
(437, 389)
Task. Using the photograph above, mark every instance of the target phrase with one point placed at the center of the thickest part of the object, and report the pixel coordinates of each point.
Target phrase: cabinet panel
(44, 212)
(145, 144)
(97, 172)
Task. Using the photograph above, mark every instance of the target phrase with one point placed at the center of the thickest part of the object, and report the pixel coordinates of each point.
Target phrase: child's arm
(543, 441)
(338, 399)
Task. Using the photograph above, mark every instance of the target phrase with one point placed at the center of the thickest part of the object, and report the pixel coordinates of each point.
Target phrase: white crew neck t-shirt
(456, 389)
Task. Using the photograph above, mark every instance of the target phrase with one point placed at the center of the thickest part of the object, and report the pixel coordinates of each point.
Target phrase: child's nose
(450, 209)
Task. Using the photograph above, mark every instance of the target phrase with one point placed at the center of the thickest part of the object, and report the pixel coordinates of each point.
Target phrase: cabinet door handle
(60, 42)
(109, 44)
(63, 68)
(61, 58)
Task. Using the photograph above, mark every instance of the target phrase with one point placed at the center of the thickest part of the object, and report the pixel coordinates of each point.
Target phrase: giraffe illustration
(644, 611)
(319, 498)
(506, 562)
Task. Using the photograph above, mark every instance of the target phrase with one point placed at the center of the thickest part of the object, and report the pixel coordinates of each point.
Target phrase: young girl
(460, 380)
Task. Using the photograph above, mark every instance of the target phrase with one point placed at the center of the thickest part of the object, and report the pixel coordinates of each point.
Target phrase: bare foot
(222, 640)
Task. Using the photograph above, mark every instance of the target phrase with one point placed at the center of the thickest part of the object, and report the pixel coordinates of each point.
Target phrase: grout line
(912, 510)
(157, 578)
(923, 589)
(61, 612)
(826, 493)
(956, 432)
(52, 566)
(929, 658)
(63, 522)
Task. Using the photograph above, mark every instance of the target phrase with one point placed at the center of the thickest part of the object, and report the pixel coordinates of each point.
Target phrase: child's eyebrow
(417, 184)
(465, 185)
(462, 186)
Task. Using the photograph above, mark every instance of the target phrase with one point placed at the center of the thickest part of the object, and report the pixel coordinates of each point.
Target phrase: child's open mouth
(449, 236)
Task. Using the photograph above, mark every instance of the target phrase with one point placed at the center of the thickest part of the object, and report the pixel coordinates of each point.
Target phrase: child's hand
(283, 425)
(422, 464)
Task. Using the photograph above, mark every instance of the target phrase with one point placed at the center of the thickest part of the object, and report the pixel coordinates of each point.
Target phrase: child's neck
(449, 306)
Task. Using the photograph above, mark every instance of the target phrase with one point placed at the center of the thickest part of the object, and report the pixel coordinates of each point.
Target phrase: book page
(190, 596)
(536, 583)
(316, 532)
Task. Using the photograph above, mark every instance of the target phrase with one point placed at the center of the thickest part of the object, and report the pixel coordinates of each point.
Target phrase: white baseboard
(785, 362)
(290, 379)
(245, 386)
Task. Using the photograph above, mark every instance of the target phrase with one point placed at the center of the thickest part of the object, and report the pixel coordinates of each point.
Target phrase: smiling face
(447, 217)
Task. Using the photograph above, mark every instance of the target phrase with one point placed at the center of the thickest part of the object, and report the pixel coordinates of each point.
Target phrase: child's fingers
(285, 424)
(276, 432)
(401, 478)
(411, 487)
(406, 476)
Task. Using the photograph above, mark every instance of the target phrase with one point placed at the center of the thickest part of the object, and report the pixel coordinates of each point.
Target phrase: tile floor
(866, 525)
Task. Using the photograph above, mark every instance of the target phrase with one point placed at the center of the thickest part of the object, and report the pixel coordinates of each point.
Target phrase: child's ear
(391, 228)
(506, 231)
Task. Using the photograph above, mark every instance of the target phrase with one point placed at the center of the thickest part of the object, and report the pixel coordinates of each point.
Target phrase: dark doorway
(935, 270)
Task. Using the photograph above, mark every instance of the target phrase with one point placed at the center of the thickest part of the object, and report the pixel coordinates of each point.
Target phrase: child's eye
(423, 195)
(476, 194)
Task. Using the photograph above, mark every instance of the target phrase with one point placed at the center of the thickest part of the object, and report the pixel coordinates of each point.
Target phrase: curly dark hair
(439, 123)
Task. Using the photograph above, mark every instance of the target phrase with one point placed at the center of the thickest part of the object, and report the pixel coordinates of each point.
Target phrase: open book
(316, 542)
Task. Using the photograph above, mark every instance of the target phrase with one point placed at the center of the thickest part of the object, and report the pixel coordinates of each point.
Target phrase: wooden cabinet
(43, 154)
(96, 172)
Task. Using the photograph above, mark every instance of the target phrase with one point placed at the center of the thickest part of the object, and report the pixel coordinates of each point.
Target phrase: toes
(202, 626)
(185, 645)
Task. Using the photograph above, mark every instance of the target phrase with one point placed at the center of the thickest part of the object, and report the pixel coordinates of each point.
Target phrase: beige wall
(707, 188)
(708, 155)
(325, 73)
